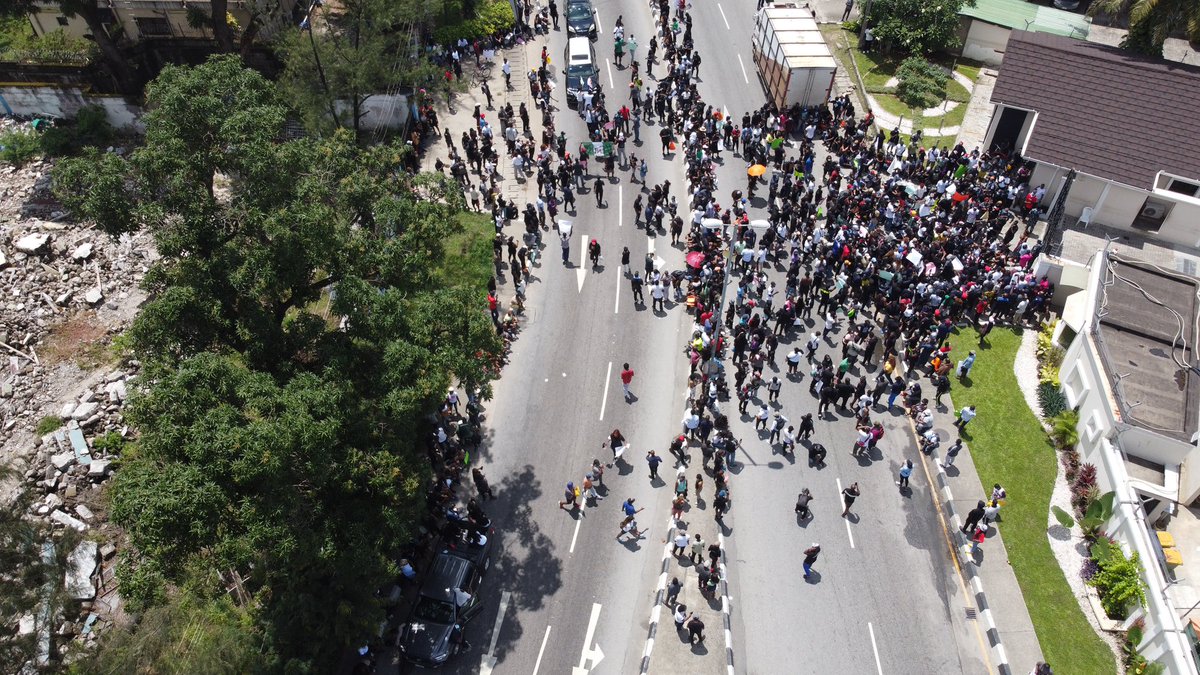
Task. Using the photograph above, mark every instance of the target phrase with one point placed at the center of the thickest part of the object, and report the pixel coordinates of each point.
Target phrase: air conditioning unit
(1154, 211)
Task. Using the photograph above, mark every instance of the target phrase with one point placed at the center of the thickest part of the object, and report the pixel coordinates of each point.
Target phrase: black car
(581, 19)
(446, 602)
(580, 69)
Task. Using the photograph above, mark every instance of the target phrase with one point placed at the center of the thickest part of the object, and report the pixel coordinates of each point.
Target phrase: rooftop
(1147, 329)
(1102, 110)
(1028, 16)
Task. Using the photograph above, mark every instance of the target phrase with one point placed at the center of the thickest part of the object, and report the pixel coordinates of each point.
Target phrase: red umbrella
(960, 197)
(695, 259)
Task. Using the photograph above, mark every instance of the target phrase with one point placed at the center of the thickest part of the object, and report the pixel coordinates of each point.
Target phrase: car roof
(579, 45)
(446, 573)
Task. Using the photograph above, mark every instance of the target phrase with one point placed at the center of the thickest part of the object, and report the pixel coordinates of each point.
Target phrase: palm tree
(1152, 21)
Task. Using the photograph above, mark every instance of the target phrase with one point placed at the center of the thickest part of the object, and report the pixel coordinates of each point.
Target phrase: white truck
(794, 63)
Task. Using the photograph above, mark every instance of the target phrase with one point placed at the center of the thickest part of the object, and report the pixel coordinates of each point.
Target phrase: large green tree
(916, 26)
(1151, 22)
(278, 440)
(349, 52)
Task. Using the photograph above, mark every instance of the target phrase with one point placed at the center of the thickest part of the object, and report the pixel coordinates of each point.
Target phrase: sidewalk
(1008, 627)
(672, 651)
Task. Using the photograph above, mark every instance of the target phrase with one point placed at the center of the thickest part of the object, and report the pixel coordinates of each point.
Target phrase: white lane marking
(580, 272)
(538, 664)
(743, 65)
(620, 204)
(617, 302)
(650, 244)
(607, 381)
(599, 28)
(611, 81)
(488, 662)
(875, 648)
(723, 17)
(589, 653)
(849, 533)
(578, 522)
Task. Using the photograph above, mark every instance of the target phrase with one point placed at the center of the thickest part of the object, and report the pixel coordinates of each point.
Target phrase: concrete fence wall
(65, 101)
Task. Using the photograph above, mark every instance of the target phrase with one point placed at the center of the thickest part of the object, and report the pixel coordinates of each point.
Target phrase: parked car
(581, 71)
(581, 19)
(471, 541)
(447, 601)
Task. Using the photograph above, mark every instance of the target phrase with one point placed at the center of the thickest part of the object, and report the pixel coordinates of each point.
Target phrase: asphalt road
(885, 598)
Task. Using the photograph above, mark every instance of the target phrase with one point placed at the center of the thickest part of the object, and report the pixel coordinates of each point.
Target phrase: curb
(968, 567)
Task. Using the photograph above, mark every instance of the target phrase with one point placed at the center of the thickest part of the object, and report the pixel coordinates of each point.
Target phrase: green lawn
(469, 253)
(1009, 447)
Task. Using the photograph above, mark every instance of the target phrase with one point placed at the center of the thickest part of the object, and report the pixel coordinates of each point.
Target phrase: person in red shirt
(494, 308)
(626, 378)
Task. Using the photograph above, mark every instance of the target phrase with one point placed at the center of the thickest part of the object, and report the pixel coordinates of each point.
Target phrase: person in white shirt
(965, 416)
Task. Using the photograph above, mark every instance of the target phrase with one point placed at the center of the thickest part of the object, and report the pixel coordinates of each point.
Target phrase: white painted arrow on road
(589, 652)
(488, 661)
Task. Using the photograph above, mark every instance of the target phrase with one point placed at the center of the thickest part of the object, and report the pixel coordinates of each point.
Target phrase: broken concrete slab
(63, 460)
(64, 518)
(98, 468)
(82, 252)
(81, 564)
(107, 551)
(85, 410)
(84, 512)
(33, 243)
(94, 296)
(78, 444)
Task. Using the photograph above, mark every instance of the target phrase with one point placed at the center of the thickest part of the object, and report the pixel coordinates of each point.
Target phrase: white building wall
(1085, 384)
(985, 42)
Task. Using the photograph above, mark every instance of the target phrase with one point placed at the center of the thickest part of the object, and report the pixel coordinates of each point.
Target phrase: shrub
(111, 443)
(90, 128)
(1088, 569)
(1050, 399)
(922, 84)
(1064, 429)
(48, 424)
(1084, 489)
(851, 25)
(19, 147)
(1070, 461)
(1119, 582)
(491, 19)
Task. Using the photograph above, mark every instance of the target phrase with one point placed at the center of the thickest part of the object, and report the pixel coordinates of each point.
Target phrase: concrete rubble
(66, 289)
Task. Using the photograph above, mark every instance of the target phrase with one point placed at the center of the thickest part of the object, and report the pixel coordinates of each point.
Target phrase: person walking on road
(695, 630)
(566, 249)
(973, 517)
(848, 496)
(629, 509)
(653, 460)
(629, 526)
(905, 473)
(810, 558)
(570, 497)
(964, 417)
(625, 260)
(626, 378)
(698, 545)
(673, 589)
(845, 14)
(952, 453)
(636, 282)
(978, 536)
(680, 544)
(599, 190)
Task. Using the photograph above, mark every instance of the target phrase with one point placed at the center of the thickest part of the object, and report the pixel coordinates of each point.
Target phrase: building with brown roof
(1127, 126)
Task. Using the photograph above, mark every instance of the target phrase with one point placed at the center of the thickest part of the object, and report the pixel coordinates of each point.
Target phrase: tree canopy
(1151, 22)
(917, 26)
(349, 52)
(277, 439)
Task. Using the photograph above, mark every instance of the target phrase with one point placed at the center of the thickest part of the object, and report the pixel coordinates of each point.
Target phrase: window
(153, 26)
(1183, 187)
(62, 20)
